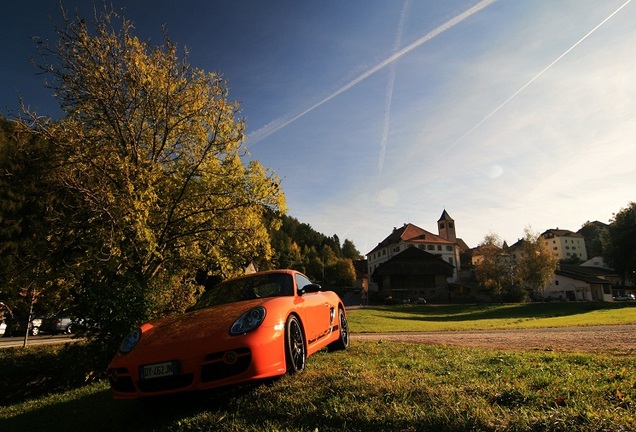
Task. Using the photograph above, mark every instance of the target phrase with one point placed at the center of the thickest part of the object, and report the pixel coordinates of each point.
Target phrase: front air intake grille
(225, 364)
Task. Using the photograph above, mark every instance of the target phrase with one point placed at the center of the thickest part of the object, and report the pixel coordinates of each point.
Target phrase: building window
(441, 225)
(450, 261)
(450, 225)
(449, 248)
(439, 247)
(430, 247)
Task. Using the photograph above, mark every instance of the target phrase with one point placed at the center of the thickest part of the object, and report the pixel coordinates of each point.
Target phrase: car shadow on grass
(98, 411)
(476, 312)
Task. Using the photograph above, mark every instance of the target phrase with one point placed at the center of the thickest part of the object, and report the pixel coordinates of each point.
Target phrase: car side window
(302, 281)
(274, 285)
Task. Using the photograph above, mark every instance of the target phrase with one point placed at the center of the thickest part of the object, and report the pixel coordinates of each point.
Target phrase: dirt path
(619, 340)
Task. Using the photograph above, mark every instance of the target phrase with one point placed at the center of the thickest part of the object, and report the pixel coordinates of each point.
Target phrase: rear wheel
(35, 331)
(343, 341)
(295, 352)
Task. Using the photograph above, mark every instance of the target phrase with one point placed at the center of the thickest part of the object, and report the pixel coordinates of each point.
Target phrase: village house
(412, 263)
(565, 245)
(576, 283)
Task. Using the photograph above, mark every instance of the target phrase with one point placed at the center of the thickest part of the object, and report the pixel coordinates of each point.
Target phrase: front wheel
(343, 340)
(295, 352)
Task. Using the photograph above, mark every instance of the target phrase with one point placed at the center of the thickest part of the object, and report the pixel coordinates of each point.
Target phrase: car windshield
(258, 286)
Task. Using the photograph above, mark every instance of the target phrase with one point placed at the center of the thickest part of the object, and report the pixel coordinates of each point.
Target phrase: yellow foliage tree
(149, 153)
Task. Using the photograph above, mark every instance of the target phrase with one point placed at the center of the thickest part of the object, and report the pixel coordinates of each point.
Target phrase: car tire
(68, 330)
(343, 338)
(35, 331)
(295, 352)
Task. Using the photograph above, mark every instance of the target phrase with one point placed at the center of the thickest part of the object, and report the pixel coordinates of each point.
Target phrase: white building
(576, 283)
(445, 244)
(565, 245)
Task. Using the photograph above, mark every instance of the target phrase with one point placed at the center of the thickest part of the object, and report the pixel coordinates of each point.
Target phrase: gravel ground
(618, 340)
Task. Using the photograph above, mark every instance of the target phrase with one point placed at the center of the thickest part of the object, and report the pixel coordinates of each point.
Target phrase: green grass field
(373, 386)
(489, 316)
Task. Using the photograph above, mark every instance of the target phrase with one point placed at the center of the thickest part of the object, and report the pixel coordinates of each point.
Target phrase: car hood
(209, 323)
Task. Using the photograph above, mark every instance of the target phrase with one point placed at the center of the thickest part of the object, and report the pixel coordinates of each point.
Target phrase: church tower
(446, 227)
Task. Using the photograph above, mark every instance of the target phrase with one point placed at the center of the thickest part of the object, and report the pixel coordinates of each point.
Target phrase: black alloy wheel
(295, 354)
(343, 341)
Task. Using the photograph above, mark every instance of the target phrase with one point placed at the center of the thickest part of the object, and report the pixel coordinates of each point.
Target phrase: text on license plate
(158, 370)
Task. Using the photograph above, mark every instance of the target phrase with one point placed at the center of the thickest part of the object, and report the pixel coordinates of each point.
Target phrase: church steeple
(446, 227)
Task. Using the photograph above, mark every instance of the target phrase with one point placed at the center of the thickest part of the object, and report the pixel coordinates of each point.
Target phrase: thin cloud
(390, 85)
(537, 76)
(281, 123)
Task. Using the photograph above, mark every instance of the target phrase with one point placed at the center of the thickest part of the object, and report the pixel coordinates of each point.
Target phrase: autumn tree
(150, 151)
(349, 250)
(621, 243)
(340, 273)
(536, 263)
(492, 266)
(27, 246)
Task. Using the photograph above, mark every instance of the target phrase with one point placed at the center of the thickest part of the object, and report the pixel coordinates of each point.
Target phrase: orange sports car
(256, 326)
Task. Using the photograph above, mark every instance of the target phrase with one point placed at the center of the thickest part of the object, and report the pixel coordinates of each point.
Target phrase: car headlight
(130, 341)
(248, 321)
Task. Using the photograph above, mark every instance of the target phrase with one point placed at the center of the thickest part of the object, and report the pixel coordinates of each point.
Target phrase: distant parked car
(34, 326)
(17, 328)
(626, 297)
(56, 325)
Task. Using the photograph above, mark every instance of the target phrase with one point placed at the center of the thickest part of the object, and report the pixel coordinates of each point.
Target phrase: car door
(315, 310)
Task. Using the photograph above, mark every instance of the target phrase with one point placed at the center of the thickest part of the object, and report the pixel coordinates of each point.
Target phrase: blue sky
(508, 114)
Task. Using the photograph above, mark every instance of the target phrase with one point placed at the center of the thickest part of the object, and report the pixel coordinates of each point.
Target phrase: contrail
(504, 103)
(277, 125)
(390, 85)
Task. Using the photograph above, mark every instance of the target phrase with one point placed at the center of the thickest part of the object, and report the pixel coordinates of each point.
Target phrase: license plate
(158, 370)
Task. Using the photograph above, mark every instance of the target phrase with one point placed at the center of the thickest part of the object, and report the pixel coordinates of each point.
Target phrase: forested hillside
(297, 245)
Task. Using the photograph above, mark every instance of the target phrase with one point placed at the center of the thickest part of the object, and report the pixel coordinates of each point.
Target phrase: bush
(33, 372)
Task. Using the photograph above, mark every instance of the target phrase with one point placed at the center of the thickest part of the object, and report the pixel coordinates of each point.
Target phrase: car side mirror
(311, 288)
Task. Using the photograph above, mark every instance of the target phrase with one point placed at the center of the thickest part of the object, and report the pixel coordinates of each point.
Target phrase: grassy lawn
(372, 386)
(488, 316)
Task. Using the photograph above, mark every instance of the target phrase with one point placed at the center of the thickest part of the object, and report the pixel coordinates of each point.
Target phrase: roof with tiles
(560, 233)
(410, 233)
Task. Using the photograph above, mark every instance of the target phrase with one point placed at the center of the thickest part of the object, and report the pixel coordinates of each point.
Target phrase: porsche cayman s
(253, 327)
